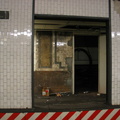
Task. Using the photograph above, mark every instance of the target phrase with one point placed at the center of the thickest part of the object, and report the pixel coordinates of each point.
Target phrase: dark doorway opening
(86, 64)
(85, 34)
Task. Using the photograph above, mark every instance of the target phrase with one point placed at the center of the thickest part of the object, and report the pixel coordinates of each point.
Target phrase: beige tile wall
(96, 8)
(115, 23)
(15, 54)
(15, 44)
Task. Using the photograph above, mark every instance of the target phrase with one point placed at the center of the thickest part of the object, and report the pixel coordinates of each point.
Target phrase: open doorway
(90, 64)
(68, 61)
(86, 64)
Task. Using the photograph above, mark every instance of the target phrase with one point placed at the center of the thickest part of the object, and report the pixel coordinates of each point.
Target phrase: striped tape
(109, 114)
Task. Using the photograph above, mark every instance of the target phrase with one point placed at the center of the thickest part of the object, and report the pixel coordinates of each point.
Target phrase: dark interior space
(86, 64)
(73, 68)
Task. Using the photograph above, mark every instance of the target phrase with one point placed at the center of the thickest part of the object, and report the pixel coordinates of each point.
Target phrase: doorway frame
(108, 47)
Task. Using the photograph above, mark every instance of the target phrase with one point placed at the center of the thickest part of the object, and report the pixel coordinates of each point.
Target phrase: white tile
(96, 8)
(115, 58)
(12, 68)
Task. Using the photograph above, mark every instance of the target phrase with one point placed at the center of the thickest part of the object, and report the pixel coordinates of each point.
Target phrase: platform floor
(69, 102)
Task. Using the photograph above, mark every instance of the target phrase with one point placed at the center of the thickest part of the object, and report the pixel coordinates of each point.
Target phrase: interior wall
(102, 64)
(115, 34)
(58, 76)
(15, 54)
(95, 8)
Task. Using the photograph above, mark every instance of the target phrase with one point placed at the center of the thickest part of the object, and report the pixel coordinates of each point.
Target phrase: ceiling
(77, 27)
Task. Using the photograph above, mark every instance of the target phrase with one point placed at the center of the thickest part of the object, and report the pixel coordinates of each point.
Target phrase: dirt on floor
(69, 102)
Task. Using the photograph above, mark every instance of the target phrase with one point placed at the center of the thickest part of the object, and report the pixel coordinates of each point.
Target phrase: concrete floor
(69, 102)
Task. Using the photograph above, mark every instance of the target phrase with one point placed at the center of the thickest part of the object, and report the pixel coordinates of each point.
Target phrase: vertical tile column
(115, 20)
(15, 54)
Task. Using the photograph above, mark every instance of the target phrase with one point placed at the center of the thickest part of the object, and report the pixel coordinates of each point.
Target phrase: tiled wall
(15, 54)
(96, 8)
(15, 44)
(115, 19)
(58, 76)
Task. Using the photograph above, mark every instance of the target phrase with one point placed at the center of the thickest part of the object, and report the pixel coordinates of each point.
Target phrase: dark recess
(86, 75)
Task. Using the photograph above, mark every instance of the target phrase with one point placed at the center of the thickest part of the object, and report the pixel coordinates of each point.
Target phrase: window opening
(65, 51)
